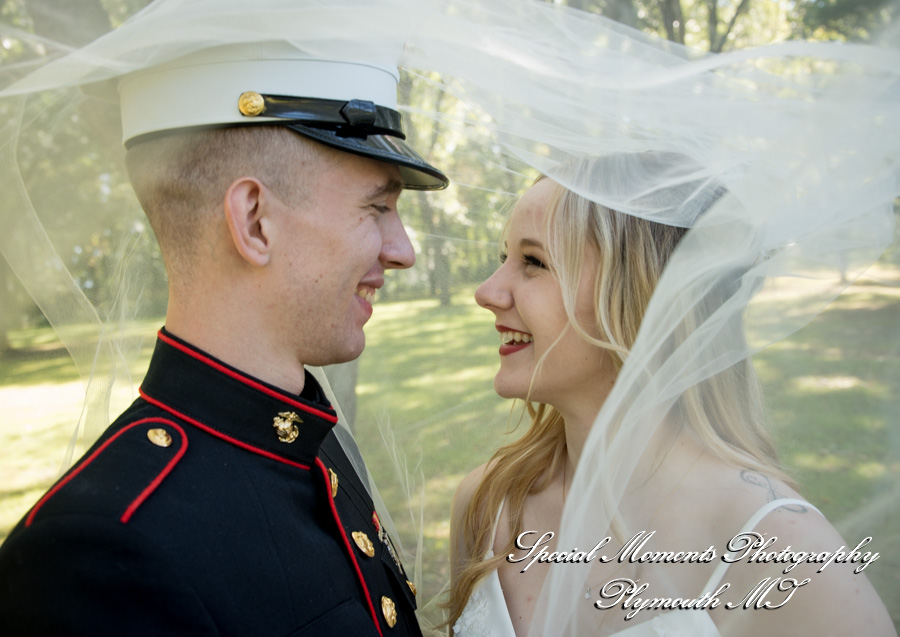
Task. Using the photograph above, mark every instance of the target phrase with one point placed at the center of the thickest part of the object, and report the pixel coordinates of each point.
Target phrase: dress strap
(755, 519)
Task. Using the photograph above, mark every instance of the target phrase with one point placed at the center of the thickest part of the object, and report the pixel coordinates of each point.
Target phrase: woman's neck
(664, 451)
(579, 415)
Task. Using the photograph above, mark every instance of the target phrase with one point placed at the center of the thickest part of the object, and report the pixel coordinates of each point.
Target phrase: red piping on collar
(219, 434)
(84, 463)
(247, 381)
(340, 526)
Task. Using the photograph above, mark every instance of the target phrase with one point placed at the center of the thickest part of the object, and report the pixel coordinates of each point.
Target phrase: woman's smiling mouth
(512, 341)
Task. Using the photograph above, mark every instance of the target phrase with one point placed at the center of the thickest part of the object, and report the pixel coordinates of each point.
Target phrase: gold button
(159, 437)
(284, 426)
(412, 587)
(389, 610)
(363, 543)
(251, 104)
(334, 483)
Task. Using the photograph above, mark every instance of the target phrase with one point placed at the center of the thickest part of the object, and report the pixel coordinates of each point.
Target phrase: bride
(569, 296)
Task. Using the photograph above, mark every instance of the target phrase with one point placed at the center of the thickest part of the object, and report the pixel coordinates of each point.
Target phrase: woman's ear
(248, 215)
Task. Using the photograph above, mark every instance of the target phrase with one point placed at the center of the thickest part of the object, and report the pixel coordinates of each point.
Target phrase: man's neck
(245, 349)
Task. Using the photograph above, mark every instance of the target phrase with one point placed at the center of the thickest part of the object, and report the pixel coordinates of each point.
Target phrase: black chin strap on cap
(355, 126)
(354, 118)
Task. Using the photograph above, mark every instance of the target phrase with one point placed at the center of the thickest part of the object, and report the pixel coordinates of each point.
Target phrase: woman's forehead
(531, 210)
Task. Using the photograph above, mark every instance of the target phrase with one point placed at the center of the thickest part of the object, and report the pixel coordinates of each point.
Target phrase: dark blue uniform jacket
(215, 505)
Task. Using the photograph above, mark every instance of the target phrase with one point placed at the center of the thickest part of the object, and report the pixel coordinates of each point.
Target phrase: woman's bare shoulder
(798, 563)
(459, 551)
(467, 486)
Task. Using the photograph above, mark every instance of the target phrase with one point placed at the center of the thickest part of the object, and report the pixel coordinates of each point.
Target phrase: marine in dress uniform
(215, 505)
(219, 504)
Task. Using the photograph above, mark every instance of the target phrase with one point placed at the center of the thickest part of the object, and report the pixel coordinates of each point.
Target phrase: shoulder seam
(129, 511)
(150, 488)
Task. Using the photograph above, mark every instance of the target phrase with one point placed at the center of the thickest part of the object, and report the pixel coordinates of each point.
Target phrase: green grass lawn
(837, 423)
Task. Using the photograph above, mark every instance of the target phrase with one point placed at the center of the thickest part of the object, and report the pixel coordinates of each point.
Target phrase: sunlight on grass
(38, 421)
(871, 470)
(42, 398)
(825, 462)
(827, 383)
(837, 428)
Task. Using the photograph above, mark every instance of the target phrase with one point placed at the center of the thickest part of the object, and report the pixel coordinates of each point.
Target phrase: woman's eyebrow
(531, 243)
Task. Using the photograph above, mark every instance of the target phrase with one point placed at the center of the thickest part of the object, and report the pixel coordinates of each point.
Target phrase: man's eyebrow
(389, 187)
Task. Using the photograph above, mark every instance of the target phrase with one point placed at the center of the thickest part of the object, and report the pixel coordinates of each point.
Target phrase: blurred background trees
(446, 227)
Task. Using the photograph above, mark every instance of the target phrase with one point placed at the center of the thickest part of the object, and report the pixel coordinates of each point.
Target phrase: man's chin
(337, 357)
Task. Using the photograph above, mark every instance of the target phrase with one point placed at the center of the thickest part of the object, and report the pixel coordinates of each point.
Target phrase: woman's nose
(493, 294)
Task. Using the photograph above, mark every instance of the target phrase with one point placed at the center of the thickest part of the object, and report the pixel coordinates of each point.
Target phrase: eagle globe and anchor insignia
(284, 426)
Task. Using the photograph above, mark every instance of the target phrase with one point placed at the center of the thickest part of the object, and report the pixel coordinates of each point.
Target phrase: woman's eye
(530, 260)
(503, 257)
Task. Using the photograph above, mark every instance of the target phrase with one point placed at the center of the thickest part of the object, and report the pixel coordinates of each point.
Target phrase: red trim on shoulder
(71, 475)
(340, 526)
(219, 434)
(138, 501)
(247, 381)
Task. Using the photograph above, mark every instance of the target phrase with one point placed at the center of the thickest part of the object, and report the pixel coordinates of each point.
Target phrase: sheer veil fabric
(790, 150)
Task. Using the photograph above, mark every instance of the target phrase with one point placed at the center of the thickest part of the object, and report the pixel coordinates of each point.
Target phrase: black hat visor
(358, 127)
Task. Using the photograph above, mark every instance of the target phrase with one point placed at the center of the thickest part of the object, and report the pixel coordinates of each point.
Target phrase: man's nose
(396, 249)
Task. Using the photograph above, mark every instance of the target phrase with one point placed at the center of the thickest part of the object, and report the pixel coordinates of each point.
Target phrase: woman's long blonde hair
(723, 412)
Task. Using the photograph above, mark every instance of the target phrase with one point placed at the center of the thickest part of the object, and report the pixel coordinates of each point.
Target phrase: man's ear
(247, 212)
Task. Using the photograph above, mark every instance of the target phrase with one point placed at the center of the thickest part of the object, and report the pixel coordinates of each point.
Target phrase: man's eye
(530, 260)
(382, 209)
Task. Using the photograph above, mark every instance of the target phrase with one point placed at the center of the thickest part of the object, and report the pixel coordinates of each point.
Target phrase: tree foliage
(854, 20)
(451, 228)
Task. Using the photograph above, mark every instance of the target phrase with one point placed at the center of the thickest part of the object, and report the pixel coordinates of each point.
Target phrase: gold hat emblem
(251, 104)
(284, 426)
(363, 543)
(389, 610)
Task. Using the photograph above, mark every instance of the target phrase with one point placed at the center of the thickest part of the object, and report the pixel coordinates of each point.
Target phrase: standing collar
(235, 407)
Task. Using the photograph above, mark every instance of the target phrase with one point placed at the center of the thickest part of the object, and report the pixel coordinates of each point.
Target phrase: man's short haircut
(180, 179)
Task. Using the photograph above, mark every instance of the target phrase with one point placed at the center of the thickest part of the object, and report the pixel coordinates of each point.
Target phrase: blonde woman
(569, 297)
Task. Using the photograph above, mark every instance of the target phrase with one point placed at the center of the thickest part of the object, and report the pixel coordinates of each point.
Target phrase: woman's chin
(509, 390)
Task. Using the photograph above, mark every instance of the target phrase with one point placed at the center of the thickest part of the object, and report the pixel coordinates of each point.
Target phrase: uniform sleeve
(87, 575)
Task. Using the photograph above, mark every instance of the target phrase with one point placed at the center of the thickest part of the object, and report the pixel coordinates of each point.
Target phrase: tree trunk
(718, 46)
(712, 26)
(673, 19)
(5, 311)
(439, 274)
(622, 11)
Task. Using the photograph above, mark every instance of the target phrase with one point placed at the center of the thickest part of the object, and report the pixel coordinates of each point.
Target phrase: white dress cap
(203, 89)
(348, 105)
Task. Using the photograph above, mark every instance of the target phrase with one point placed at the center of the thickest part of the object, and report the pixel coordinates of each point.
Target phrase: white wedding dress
(486, 615)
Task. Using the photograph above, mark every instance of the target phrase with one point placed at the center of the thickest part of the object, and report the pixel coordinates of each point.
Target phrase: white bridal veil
(804, 137)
